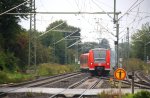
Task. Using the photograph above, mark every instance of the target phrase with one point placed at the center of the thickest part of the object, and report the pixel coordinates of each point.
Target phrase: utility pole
(128, 47)
(65, 49)
(132, 82)
(117, 42)
(32, 36)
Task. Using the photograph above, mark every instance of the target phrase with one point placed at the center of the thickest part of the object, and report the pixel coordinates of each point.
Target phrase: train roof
(85, 54)
(99, 49)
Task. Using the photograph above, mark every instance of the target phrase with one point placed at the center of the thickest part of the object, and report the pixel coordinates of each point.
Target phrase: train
(96, 61)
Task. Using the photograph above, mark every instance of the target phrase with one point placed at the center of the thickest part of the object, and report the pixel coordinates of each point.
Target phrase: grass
(9, 77)
(111, 94)
(54, 69)
(42, 70)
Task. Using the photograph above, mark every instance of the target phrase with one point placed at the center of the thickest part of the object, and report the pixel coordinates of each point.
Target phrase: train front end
(99, 61)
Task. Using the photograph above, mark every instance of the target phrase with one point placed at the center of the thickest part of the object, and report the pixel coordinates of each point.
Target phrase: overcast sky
(93, 27)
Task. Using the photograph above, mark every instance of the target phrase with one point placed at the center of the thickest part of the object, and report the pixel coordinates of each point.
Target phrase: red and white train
(96, 61)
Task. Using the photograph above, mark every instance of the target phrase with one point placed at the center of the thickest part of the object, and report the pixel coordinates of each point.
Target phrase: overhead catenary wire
(131, 8)
(14, 7)
(74, 43)
(67, 36)
(133, 21)
(101, 9)
(52, 28)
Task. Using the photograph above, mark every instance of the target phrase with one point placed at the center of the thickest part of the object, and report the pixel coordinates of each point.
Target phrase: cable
(141, 12)
(52, 28)
(130, 9)
(66, 36)
(14, 8)
(132, 21)
(101, 8)
(105, 4)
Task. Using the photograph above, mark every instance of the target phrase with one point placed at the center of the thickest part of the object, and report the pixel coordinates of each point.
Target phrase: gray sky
(93, 26)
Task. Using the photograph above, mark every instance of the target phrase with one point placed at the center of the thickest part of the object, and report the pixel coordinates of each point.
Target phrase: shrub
(142, 94)
(134, 64)
(8, 62)
(3, 77)
(53, 69)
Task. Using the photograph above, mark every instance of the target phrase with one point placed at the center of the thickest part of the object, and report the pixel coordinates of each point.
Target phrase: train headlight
(107, 63)
(91, 63)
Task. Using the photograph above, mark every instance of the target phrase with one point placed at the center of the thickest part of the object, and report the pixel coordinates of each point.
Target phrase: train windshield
(99, 55)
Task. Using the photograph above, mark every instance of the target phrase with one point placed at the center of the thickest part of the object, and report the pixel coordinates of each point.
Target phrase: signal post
(120, 74)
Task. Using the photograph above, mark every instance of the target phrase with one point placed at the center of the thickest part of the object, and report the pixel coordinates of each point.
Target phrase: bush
(142, 94)
(53, 69)
(8, 62)
(134, 64)
(3, 77)
(2, 60)
(9, 77)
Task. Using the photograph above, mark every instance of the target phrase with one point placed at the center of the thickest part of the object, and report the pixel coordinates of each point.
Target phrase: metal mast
(32, 36)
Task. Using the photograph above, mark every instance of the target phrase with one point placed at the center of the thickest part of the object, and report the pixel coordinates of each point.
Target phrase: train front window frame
(99, 55)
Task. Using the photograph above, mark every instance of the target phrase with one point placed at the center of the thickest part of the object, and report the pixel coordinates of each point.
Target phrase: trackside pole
(120, 89)
(132, 82)
(120, 74)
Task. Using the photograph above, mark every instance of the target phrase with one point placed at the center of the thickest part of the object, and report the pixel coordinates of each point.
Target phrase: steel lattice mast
(32, 36)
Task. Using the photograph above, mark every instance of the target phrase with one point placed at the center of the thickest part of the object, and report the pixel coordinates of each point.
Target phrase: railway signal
(120, 74)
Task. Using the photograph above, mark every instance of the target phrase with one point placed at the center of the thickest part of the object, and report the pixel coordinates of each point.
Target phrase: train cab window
(83, 59)
(99, 55)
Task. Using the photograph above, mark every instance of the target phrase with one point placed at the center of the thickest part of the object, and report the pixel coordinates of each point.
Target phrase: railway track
(45, 81)
(79, 82)
(142, 78)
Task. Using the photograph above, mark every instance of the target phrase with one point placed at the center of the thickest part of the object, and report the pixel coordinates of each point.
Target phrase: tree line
(14, 40)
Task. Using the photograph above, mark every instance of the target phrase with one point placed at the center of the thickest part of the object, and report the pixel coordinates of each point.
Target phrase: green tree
(139, 41)
(104, 43)
(51, 38)
(9, 26)
(11, 44)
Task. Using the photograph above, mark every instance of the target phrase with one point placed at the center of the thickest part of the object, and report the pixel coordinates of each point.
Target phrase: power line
(52, 28)
(140, 12)
(101, 9)
(131, 8)
(134, 20)
(128, 9)
(14, 8)
(66, 36)
(66, 13)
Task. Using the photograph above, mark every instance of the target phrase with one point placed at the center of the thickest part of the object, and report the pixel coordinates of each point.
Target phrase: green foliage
(111, 94)
(52, 38)
(127, 96)
(136, 64)
(53, 69)
(11, 62)
(139, 40)
(108, 94)
(9, 26)
(142, 94)
(12, 43)
(8, 61)
(9, 77)
(104, 44)
(3, 77)
(21, 49)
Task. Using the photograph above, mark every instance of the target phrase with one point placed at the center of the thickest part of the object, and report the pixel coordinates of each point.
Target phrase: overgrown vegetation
(136, 54)
(53, 69)
(9, 77)
(134, 64)
(42, 70)
(111, 94)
